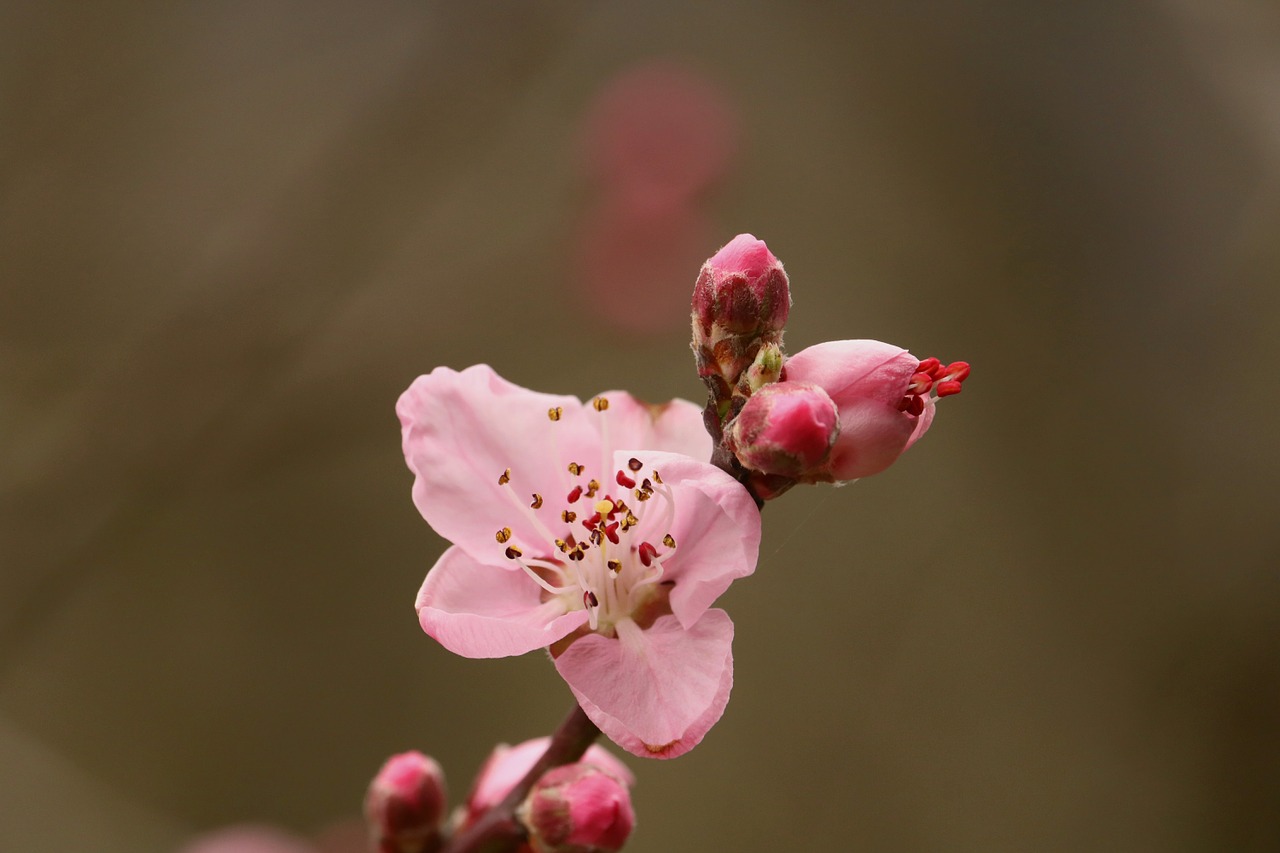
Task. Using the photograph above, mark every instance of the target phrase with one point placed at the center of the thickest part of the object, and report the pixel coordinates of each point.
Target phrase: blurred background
(232, 233)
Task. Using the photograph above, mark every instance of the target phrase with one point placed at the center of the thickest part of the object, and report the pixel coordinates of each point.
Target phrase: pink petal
(675, 426)
(482, 611)
(855, 370)
(655, 692)
(462, 430)
(872, 436)
(716, 528)
(507, 765)
(743, 254)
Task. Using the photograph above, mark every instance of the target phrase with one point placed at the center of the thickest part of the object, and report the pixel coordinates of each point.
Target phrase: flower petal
(481, 611)
(462, 430)
(855, 370)
(716, 528)
(655, 692)
(675, 426)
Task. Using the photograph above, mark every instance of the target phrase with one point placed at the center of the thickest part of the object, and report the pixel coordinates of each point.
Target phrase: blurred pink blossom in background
(655, 140)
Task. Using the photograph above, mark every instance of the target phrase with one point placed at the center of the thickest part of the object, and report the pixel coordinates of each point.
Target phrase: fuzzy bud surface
(405, 803)
(786, 429)
(578, 808)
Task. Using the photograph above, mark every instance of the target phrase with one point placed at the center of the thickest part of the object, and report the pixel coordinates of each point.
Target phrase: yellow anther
(575, 469)
(513, 552)
(669, 541)
(592, 488)
(505, 477)
(615, 566)
(503, 535)
(537, 501)
(600, 403)
(568, 516)
(555, 412)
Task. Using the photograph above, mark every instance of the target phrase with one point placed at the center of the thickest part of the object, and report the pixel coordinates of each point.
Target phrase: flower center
(933, 379)
(595, 548)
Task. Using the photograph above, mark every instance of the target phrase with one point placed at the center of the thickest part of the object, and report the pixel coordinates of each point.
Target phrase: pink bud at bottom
(786, 429)
(405, 803)
(578, 809)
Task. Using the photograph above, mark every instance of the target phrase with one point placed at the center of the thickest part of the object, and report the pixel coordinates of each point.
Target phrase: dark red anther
(591, 522)
(625, 481)
(920, 383)
(915, 405)
(612, 532)
(589, 599)
(575, 494)
(929, 366)
(634, 464)
(904, 402)
(946, 389)
(647, 553)
(956, 370)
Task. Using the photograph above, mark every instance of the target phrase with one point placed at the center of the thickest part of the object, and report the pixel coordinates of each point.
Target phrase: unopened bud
(740, 304)
(742, 289)
(785, 429)
(578, 809)
(405, 803)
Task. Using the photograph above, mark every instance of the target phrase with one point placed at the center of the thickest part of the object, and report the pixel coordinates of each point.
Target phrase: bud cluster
(582, 807)
(832, 413)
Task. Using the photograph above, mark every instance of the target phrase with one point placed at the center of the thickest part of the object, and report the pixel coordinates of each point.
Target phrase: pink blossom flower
(885, 397)
(582, 528)
(507, 765)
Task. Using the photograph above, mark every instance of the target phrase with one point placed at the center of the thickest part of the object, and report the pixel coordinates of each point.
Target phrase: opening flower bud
(786, 429)
(578, 808)
(405, 803)
(742, 289)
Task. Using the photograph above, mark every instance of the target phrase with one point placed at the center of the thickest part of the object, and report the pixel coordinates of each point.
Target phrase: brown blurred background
(231, 234)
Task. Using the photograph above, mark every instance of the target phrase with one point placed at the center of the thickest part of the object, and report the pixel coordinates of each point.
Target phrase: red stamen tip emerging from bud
(946, 389)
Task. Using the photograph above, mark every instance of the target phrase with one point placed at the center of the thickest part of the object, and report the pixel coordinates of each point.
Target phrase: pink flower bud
(886, 398)
(577, 809)
(742, 289)
(787, 428)
(405, 803)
